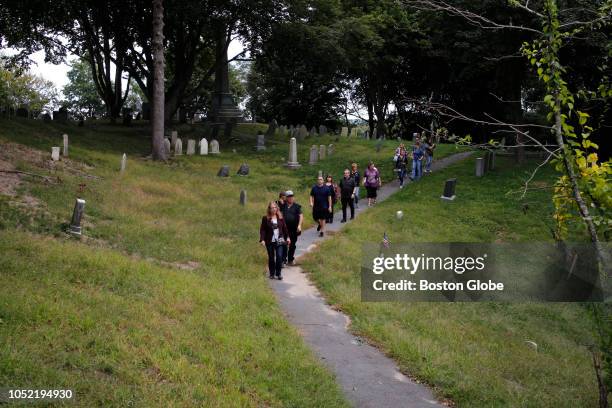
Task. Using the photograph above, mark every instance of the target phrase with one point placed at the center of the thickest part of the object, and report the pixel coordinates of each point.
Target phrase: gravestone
(314, 154)
(449, 190)
(330, 149)
(243, 197)
(123, 163)
(353, 132)
(167, 146)
(399, 215)
(322, 130)
(77, 216)
(344, 132)
(486, 162)
(191, 144)
(243, 170)
(271, 128)
(55, 153)
(178, 147)
(322, 151)
(291, 130)
(203, 147)
(479, 167)
(313, 131)
(174, 136)
(293, 162)
(282, 130)
(303, 132)
(65, 152)
(261, 142)
(214, 147)
(492, 161)
(223, 171)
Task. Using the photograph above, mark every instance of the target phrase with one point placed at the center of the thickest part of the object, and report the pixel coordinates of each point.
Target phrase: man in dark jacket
(292, 213)
(347, 194)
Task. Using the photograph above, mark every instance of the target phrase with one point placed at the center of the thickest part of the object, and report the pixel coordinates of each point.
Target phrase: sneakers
(279, 277)
(321, 234)
(318, 227)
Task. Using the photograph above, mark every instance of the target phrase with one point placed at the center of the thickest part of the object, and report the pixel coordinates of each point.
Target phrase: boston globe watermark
(466, 272)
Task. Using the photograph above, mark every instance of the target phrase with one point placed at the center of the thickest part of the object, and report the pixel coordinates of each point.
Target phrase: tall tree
(157, 45)
(80, 92)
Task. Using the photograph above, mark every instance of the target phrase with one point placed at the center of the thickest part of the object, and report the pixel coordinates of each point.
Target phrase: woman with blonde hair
(274, 235)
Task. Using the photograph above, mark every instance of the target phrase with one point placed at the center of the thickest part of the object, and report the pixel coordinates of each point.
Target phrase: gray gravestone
(123, 163)
(314, 154)
(449, 190)
(344, 132)
(77, 216)
(479, 167)
(243, 197)
(178, 147)
(492, 161)
(243, 170)
(214, 147)
(313, 131)
(173, 137)
(191, 144)
(330, 149)
(203, 147)
(167, 145)
(322, 151)
(55, 153)
(261, 142)
(486, 162)
(303, 132)
(293, 162)
(65, 152)
(322, 130)
(223, 171)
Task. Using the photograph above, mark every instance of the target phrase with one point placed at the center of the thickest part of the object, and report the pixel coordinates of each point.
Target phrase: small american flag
(385, 241)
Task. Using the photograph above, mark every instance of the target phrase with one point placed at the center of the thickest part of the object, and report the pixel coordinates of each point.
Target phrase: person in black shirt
(355, 174)
(282, 200)
(321, 203)
(347, 194)
(292, 213)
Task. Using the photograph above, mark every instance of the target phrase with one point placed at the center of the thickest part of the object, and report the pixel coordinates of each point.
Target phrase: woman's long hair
(270, 211)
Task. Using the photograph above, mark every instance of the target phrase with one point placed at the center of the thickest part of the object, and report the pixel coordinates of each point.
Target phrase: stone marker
(399, 215)
(178, 147)
(65, 152)
(174, 136)
(243, 170)
(55, 153)
(261, 142)
(303, 132)
(344, 131)
(77, 216)
(479, 167)
(191, 143)
(322, 151)
(167, 146)
(203, 147)
(293, 162)
(330, 149)
(223, 171)
(486, 162)
(243, 197)
(449, 190)
(314, 154)
(214, 147)
(123, 163)
(313, 131)
(282, 130)
(322, 130)
(353, 132)
(492, 161)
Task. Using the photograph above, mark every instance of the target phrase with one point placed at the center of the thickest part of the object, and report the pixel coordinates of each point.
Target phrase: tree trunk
(157, 112)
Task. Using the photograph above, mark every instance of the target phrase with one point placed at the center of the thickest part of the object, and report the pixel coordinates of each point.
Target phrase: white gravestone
(293, 162)
(203, 147)
(322, 152)
(178, 147)
(344, 132)
(191, 147)
(65, 152)
(214, 147)
(174, 136)
(55, 153)
(123, 162)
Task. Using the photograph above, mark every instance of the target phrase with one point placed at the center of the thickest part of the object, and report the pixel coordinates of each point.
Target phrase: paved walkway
(367, 377)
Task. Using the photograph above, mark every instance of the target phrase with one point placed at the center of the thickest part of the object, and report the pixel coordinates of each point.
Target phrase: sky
(58, 73)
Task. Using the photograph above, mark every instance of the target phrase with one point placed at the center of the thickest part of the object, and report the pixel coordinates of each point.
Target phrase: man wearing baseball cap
(292, 213)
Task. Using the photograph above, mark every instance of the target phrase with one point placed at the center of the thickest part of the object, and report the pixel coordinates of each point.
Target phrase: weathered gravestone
(282, 131)
(65, 151)
(313, 131)
(486, 162)
(303, 132)
(178, 147)
(174, 136)
(214, 147)
(293, 163)
(492, 161)
(203, 147)
(77, 216)
(399, 215)
(291, 130)
(330, 149)
(479, 167)
(223, 171)
(322, 151)
(55, 153)
(314, 154)
(354, 132)
(449, 190)
(167, 145)
(261, 142)
(191, 144)
(123, 163)
(344, 132)
(243, 197)
(243, 170)
(322, 130)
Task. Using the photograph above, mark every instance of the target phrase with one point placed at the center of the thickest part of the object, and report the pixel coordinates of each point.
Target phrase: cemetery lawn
(164, 301)
(472, 353)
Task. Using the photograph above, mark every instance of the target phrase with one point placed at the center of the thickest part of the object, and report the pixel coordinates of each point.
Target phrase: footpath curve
(367, 377)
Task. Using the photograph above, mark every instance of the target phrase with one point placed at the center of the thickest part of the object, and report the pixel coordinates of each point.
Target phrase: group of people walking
(282, 224)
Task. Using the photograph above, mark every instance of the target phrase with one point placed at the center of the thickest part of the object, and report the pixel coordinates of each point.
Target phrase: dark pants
(330, 216)
(289, 253)
(347, 201)
(275, 258)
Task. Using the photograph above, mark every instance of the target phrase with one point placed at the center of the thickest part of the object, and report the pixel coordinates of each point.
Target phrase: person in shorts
(321, 203)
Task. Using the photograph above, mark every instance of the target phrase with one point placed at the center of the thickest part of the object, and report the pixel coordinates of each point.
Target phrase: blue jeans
(356, 200)
(401, 174)
(275, 258)
(428, 162)
(417, 169)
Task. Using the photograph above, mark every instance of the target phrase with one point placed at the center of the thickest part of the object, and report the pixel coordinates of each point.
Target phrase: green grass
(474, 353)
